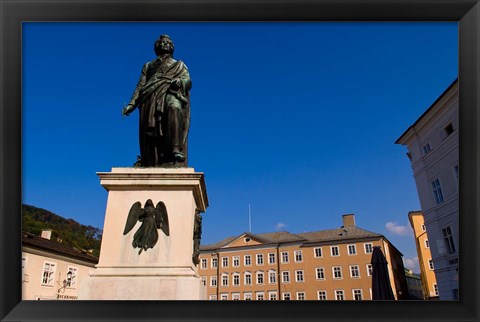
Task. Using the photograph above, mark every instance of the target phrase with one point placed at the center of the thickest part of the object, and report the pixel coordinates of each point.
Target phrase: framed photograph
(18, 33)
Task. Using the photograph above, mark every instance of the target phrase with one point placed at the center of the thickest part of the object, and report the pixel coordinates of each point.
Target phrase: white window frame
(368, 248)
(272, 277)
(298, 256)
(225, 279)
(435, 289)
(334, 269)
(213, 298)
(369, 269)
(225, 261)
(213, 281)
(74, 277)
(286, 296)
(271, 258)
(338, 294)
(247, 278)
(235, 296)
(301, 296)
(350, 247)
(260, 260)
(285, 276)
(260, 296)
(354, 268)
(437, 191)
(285, 257)
(272, 295)
(424, 228)
(247, 296)
(448, 239)
(203, 263)
(49, 279)
(332, 253)
(223, 296)
(320, 271)
(357, 291)
(235, 261)
(322, 295)
(203, 280)
(317, 250)
(427, 244)
(247, 259)
(430, 264)
(299, 276)
(235, 279)
(214, 262)
(258, 276)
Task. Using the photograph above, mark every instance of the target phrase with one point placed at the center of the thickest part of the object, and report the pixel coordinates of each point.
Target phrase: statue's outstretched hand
(175, 84)
(127, 110)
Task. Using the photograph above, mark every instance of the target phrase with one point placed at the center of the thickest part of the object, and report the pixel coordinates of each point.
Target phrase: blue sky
(298, 120)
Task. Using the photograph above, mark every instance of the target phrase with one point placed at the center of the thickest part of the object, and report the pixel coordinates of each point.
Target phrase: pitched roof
(34, 241)
(330, 235)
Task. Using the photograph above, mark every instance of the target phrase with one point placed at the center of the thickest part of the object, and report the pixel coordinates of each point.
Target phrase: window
(339, 296)
(448, 129)
(337, 272)
(318, 251)
(248, 260)
(299, 276)
(286, 277)
(435, 289)
(203, 264)
(224, 279)
(272, 277)
(357, 295)
(260, 296)
(322, 295)
(335, 251)
(259, 259)
(430, 264)
(354, 271)
(236, 280)
(298, 256)
(320, 272)
(437, 191)
(448, 239)
(272, 296)
(203, 279)
(247, 296)
(236, 296)
(260, 278)
(24, 276)
(213, 281)
(369, 269)
(286, 296)
(424, 228)
(48, 275)
(213, 297)
(368, 248)
(301, 296)
(224, 296)
(455, 171)
(248, 278)
(284, 257)
(224, 261)
(427, 244)
(72, 279)
(271, 258)
(427, 148)
(236, 261)
(214, 262)
(352, 250)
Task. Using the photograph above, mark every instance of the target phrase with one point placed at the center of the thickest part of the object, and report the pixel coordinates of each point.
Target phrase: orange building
(322, 265)
(427, 272)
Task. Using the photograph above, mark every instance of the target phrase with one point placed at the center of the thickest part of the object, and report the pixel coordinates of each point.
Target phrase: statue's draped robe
(164, 112)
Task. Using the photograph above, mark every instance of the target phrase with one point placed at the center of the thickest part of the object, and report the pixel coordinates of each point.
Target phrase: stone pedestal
(166, 271)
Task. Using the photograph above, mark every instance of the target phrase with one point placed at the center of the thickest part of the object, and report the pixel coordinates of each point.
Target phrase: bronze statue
(152, 218)
(162, 96)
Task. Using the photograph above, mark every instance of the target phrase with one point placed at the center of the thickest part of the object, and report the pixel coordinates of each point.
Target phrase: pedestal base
(166, 271)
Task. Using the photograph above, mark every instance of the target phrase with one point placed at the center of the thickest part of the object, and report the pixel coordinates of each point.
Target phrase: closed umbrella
(381, 288)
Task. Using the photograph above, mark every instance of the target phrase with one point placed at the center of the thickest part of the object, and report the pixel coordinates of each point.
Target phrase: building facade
(322, 265)
(432, 143)
(415, 285)
(422, 243)
(51, 270)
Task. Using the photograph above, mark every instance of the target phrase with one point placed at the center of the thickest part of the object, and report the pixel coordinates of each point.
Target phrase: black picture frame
(13, 13)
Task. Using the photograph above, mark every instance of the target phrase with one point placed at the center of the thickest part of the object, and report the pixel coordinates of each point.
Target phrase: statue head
(149, 203)
(163, 45)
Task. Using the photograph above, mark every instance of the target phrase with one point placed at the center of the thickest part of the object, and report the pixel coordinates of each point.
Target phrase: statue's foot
(178, 156)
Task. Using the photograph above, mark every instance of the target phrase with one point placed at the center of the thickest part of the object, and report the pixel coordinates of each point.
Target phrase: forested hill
(68, 231)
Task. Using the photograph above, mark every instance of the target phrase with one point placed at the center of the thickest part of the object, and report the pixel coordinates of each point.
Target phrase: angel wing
(133, 215)
(161, 218)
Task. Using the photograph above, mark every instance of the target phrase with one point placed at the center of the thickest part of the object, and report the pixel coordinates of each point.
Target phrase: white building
(432, 143)
(51, 270)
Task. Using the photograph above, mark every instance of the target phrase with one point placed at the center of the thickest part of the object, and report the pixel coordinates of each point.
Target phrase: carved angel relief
(152, 219)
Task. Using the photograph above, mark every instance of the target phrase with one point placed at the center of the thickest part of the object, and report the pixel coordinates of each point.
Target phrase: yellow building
(322, 265)
(427, 273)
(51, 270)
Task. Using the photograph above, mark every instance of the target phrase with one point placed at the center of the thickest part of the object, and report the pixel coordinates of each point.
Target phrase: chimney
(46, 233)
(349, 220)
